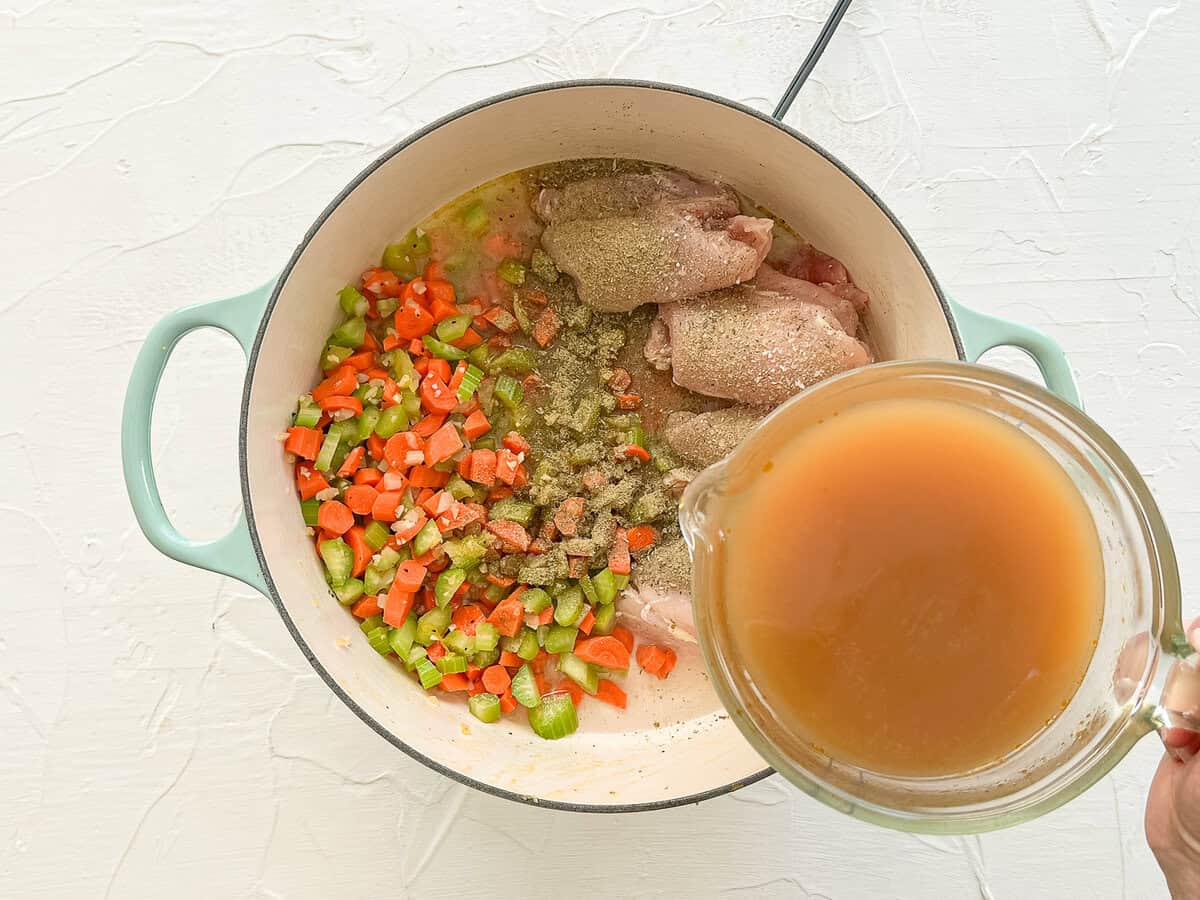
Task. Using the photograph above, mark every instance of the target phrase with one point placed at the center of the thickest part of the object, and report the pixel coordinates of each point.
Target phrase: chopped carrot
(507, 702)
(498, 245)
(641, 536)
(515, 443)
(434, 502)
(618, 554)
(427, 477)
(334, 516)
(436, 396)
(408, 528)
(366, 607)
(436, 651)
(369, 476)
(428, 425)
(610, 693)
(375, 445)
(397, 606)
(442, 444)
(434, 271)
(604, 651)
(386, 504)
(475, 426)
(392, 481)
(513, 537)
(459, 515)
(465, 618)
(499, 492)
(455, 681)
(356, 537)
(629, 401)
(656, 660)
(502, 319)
(304, 442)
(471, 338)
(508, 616)
(352, 461)
(546, 616)
(510, 660)
(342, 382)
(586, 623)
(442, 310)
(573, 689)
(440, 368)
(624, 635)
(413, 320)
(506, 466)
(309, 482)
(546, 328)
(438, 290)
(382, 282)
(409, 576)
(568, 515)
(337, 402)
(633, 451)
(496, 679)
(482, 468)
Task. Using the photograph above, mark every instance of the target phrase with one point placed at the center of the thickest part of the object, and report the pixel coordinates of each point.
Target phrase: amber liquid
(913, 586)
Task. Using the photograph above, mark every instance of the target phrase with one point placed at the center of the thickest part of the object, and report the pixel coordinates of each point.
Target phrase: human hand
(1173, 807)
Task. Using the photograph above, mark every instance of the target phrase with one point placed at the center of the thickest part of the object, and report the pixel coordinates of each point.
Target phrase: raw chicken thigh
(658, 598)
(703, 439)
(659, 237)
(751, 345)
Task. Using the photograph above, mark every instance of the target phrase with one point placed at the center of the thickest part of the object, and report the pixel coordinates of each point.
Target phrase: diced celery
(376, 535)
(519, 511)
(338, 559)
(367, 422)
(589, 590)
(441, 349)
(568, 608)
(582, 673)
(385, 306)
(378, 639)
(415, 652)
(622, 581)
(389, 558)
(427, 538)
(349, 592)
(447, 583)
(475, 218)
(494, 593)
(479, 356)
(486, 636)
(401, 638)
(535, 600)
(606, 618)
(524, 687)
(391, 421)
(554, 717)
(350, 333)
(515, 361)
(586, 415)
(411, 403)
(352, 302)
(309, 509)
(466, 552)
(453, 327)
(485, 658)
(511, 644)
(509, 391)
(458, 488)
(485, 707)
(329, 447)
(432, 624)
(428, 673)
(560, 639)
(376, 578)
(406, 256)
(308, 413)
(636, 435)
(605, 583)
(331, 357)
(528, 647)
(458, 642)
(512, 271)
(452, 664)
(403, 371)
(369, 623)
(472, 378)
(522, 315)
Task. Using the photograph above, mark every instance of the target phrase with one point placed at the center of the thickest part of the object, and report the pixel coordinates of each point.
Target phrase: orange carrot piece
(633, 451)
(336, 402)
(573, 689)
(410, 576)
(342, 382)
(427, 477)
(546, 616)
(352, 461)
(428, 425)
(516, 443)
(455, 681)
(309, 482)
(513, 538)
(624, 635)
(496, 679)
(508, 616)
(335, 516)
(369, 476)
(386, 504)
(510, 660)
(605, 651)
(482, 468)
(442, 444)
(397, 606)
(304, 442)
(586, 623)
(641, 536)
(546, 328)
(608, 692)
(618, 554)
(475, 426)
(507, 702)
(356, 537)
(366, 607)
(436, 396)
(465, 618)
(506, 466)
(471, 338)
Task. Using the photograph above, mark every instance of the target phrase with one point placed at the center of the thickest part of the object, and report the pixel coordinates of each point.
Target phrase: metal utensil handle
(810, 61)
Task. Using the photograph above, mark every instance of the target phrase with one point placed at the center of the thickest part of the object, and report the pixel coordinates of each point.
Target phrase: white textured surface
(160, 734)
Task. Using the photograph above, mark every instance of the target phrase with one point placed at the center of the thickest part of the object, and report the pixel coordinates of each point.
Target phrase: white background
(161, 735)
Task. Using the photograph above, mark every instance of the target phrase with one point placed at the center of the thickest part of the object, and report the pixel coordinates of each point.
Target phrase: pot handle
(232, 554)
(981, 333)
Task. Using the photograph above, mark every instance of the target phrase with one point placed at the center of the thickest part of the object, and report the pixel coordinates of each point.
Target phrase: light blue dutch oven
(668, 749)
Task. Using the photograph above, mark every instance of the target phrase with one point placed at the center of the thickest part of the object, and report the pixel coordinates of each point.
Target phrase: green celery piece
(349, 592)
(528, 647)
(367, 422)
(511, 644)
(515, 361)
(453, 327)
(403, 371)
(605, 583)
(391, 421)
(411, 403)
(332, 357)
(485, 658)
(452, 664)
(370, 623)
(622, 581)
(406, 256)
(458, 488)
(606, 618)
(509, 391)
(338, 559)
(309, 509)
(415, 652)
(401, 638)
(428, 674)
(389, 558)
(486, 636)
(472, 378)
(582, 673)
(427, 538)
(385, 306)
(589, 590)
(475, 218)
(494, 593)
(352, 302)
(376, 578)
(535, 600)
(328, 449)
(479, 356)
(466, 552)
(512, 509)
(378, 639)
(442, 350)
(485, 707)
(376, 535)
(561, 639)
(308, 413)
(554, 717)
(350, 333)
(458, 642)
(448, 581)
(512, 271)
(432, 624)
(522, 316)
(524, 687)
(568, 608)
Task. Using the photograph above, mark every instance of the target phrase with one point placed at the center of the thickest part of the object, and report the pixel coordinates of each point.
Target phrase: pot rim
(252, 363)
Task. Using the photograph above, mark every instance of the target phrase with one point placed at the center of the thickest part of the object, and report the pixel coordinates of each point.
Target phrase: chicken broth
(922, 614)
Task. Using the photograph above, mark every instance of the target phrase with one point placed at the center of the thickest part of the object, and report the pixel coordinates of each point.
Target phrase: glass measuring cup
(1126, 692)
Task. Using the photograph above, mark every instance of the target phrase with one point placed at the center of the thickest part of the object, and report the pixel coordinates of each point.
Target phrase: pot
(636, 761)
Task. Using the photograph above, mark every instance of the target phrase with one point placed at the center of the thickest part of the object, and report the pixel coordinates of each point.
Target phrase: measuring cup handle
(1177, 716)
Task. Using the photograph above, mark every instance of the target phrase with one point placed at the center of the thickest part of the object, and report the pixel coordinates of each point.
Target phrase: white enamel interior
(631, 761)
